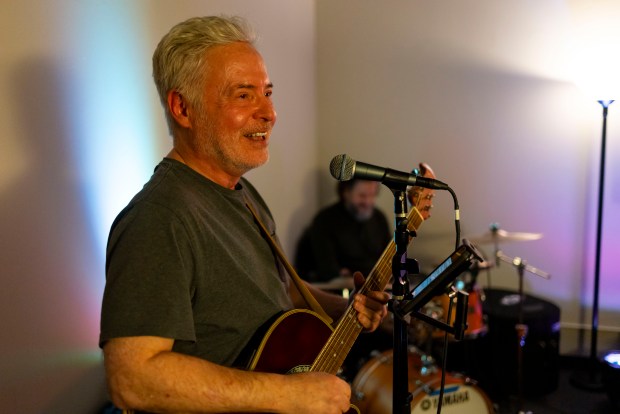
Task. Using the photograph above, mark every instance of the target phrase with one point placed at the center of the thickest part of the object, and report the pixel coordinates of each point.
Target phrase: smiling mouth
(259, 135)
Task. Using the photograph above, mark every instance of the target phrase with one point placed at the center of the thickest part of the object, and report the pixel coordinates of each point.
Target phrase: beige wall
(481, 91)
(82, 131)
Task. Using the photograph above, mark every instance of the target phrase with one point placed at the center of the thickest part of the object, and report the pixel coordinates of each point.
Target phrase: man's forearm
(167, 381)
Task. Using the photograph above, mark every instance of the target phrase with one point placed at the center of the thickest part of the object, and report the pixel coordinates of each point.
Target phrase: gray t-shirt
(185, 260)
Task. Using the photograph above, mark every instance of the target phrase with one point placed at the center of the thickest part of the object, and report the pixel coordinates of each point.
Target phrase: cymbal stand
(521, 328)
(494, 227)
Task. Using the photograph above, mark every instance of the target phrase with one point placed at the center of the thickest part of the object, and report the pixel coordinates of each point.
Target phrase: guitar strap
(301, 286)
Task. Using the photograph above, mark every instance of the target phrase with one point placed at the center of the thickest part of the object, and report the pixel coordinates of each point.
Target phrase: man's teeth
(257, 134)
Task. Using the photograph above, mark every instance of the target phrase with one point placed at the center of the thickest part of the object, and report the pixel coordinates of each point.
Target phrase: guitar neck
(339, 344)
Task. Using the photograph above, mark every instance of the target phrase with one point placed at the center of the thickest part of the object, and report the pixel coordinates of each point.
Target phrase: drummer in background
(345, 237)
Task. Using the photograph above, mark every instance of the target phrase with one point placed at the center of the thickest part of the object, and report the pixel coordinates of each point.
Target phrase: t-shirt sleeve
(148, 284)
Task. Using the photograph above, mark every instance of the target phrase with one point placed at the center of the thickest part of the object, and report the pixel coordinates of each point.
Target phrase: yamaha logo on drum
(451, 396)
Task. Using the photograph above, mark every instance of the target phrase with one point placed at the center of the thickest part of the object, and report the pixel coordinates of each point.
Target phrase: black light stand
(591, 379)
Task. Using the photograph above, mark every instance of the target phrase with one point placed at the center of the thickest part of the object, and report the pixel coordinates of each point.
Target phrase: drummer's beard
(361, 212)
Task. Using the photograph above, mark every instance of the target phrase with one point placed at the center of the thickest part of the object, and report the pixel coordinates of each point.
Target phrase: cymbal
(337, 283)
(500, 235)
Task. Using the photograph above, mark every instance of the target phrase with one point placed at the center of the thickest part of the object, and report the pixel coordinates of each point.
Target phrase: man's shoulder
(167, 186)
(169, 191)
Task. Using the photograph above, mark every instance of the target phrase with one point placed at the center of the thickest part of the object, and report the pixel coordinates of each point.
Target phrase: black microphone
(344, 168)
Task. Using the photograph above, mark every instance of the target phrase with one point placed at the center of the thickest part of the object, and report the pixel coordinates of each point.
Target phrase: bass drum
(372, 388)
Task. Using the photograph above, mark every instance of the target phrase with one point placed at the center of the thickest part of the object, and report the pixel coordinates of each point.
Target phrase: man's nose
(266, 110)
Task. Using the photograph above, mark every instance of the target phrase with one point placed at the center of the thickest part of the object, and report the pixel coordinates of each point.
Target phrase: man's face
(361, 198)
(234, 123)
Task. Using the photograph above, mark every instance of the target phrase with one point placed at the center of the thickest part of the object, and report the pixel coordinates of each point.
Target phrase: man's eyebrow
(251, 86)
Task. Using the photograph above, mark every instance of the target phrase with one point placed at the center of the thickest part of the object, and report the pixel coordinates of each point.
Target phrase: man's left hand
(371, 308)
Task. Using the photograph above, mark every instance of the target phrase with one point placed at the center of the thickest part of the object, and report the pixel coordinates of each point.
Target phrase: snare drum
(372, 388)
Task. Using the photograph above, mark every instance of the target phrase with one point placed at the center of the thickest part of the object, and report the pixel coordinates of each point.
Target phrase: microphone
(344, 168)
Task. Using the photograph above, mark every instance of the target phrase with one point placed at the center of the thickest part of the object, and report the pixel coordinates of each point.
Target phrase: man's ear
(177, 105)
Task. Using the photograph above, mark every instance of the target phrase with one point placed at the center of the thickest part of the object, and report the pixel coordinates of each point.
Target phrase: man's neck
(204, 169)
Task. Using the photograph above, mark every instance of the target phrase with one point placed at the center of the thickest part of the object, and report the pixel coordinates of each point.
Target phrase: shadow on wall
(49, 303)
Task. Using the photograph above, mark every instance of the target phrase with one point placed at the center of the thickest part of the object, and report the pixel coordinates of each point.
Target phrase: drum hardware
(494, 355)
(475, 270)
(459, 322)
(494, 236)
(521, 328)
(442, 277)
(484, 265)
(437, 308)
(497, 235)
(475, 324)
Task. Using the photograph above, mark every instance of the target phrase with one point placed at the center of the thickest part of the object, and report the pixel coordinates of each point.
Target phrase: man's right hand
(316, 392)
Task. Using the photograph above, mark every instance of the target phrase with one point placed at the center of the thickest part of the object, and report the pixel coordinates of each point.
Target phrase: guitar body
(300, 330)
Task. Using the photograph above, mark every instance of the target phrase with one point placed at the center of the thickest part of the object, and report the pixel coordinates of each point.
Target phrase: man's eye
(243, 96)
(269, 93)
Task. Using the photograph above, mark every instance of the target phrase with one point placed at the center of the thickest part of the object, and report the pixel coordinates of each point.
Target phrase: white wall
(480, 90)
(82, 131)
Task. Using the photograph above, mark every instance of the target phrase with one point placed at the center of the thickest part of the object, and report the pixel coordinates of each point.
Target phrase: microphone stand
(401, 398)
(402, 301)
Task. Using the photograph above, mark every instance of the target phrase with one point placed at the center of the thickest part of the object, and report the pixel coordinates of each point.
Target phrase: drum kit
(372, 384)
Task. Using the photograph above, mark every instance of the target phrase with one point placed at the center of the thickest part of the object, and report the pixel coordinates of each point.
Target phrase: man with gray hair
(174, 332)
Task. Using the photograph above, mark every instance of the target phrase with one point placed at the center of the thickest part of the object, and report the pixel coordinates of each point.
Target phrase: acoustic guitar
(317, 346)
